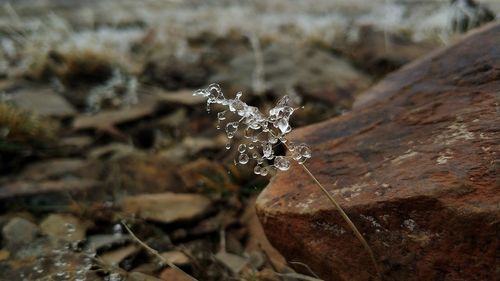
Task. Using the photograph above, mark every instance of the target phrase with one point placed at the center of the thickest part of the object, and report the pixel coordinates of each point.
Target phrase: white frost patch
(485, 136)
(372, 220)
(442, 159)
(456, 131)
(351, 191)
(410, 224)
(334, 228)
(444, 156)
(486, 148)
(408, 154)
(305, 206)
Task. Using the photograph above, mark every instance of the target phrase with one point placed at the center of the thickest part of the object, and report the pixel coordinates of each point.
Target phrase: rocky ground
(99, 131)
(415, 164)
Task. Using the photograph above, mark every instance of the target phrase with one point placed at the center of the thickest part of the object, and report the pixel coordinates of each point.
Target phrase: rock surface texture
(415, 165)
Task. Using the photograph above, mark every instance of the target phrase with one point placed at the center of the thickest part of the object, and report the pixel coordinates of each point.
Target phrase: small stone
(102, 241)
(199, 176)
(114, 257)
(166, 207)
(19, 231)
(4, 254)
(171, 274)
(43, 102)
(234, 262)
(64, 227)
(176, 257)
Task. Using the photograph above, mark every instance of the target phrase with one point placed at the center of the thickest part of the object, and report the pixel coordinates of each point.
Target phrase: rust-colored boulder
(415, 165)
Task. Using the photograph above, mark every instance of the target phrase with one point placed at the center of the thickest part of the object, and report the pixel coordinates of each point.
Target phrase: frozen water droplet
(236, 106)
(250, 146)
(281, 163)
(264, 171)
(221, 115)
(272, 139)
(228, 145)
(242, 148)
(231, 129)
(267, 150)
(282, 125)
(201, 92)
(243, 158)
(257, 169)
(296, 155)
(305, 151)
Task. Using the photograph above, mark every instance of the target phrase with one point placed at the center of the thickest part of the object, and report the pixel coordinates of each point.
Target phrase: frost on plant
(119, 91)
(261, 133)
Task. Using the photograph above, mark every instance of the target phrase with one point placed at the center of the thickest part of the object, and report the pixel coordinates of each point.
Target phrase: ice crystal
(261, 133)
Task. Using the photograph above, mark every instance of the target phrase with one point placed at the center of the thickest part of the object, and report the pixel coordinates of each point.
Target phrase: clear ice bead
(242, 148)
(281, 163)
(221, 115)
(243, 158)
(272, 139)
(263, 171)
(283, 126)
(231, 129)
(296, 155)
(305, 151)
(267, 150)
(257, 170)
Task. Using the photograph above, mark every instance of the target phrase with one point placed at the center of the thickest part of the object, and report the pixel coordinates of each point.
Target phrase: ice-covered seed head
(260, 133)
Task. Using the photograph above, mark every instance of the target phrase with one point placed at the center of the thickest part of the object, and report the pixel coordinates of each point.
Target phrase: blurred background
(97, 114)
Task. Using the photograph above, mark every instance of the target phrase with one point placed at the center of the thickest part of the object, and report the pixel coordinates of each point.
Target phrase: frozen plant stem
(156, 254)
(261, 133)
(346, 219)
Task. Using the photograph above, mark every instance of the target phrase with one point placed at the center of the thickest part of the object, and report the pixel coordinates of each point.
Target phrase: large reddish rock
(416, 166)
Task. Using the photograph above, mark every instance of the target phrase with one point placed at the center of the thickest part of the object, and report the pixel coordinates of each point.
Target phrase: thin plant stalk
(346, 219)
(156, 254)
(276, 126)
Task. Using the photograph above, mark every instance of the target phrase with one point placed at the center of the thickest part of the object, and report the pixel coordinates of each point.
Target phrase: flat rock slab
(415, 165)
(166, 207)
(43, 102)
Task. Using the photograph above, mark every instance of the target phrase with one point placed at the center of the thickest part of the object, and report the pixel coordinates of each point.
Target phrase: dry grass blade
(21, 125)
(298, 276)
(155, 253)
(347, 220)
